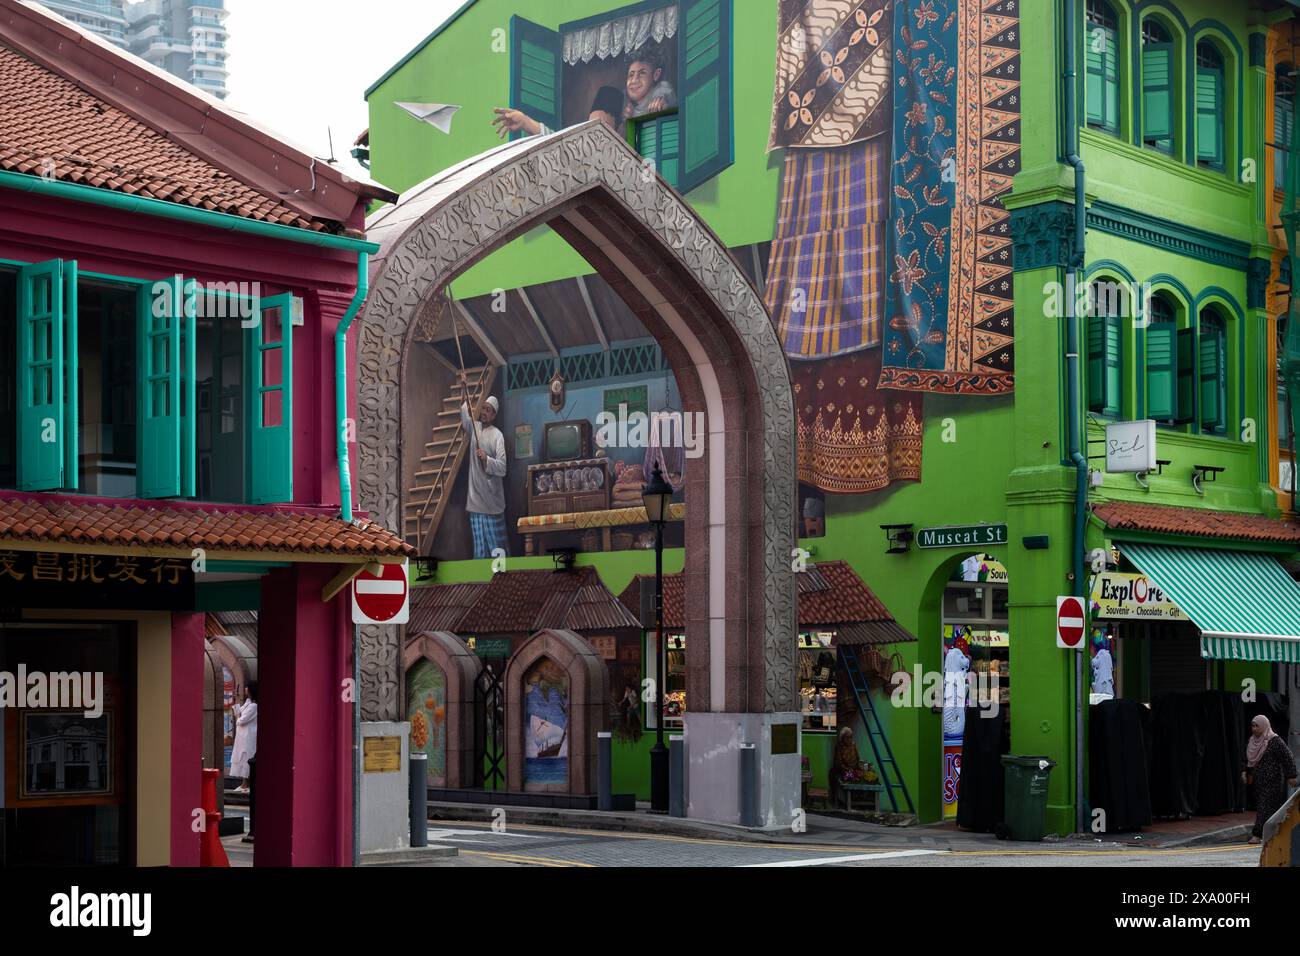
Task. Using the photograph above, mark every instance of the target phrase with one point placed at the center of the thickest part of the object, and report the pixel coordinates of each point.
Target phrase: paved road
(526, 845)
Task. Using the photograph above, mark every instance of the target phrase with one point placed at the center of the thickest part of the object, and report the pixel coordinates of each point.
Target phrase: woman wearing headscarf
(1268, 763)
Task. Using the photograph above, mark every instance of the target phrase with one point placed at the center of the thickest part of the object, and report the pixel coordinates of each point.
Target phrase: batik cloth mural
(854, 437)
(826, 271)
(956, 109)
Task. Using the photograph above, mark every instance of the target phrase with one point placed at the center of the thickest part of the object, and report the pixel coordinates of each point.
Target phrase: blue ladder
(885, 761)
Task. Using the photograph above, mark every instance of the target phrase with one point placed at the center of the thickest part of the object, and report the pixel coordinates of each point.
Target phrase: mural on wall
(624, 68)
(546, 724)
(426, 709)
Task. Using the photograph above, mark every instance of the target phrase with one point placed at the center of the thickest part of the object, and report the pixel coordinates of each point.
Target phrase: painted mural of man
(485, 500)
(606, 107)
(647, 90)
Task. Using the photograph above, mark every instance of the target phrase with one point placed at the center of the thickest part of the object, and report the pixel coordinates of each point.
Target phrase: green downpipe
(1076, 268)
(176, 212)
(341, 383)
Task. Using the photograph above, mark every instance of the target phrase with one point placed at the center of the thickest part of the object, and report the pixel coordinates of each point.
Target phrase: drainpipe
(341, 383)
(1075, 267)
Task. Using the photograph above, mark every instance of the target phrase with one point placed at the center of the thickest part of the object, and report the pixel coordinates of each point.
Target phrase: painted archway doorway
(662, 260)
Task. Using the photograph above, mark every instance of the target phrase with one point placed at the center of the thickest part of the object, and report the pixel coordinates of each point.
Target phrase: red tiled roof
(89, 141)
(830, 595)
(1195, 522)
(63, 520)
(516, 602)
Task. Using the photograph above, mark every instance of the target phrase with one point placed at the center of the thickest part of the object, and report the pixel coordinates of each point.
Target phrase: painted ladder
(890, 775)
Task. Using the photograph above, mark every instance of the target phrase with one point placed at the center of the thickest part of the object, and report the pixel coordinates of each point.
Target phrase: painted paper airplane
(435, 114)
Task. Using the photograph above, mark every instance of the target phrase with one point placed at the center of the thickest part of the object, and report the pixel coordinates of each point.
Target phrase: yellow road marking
(524, 858)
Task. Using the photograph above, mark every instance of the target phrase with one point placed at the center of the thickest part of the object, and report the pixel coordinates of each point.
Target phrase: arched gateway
(685, 288)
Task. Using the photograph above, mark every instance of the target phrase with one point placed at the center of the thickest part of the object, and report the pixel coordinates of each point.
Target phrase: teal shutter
(269, 375)
(659, 140)
(1105, 366)
(1186, 376)
(535, 63)
(707, 145)
(41, 383)
(72, 396)
(1214, 380)
(189, 389)
(159, 392)
(1102, 89)
(1161, 371)
(1158, 94)
(1209, 116)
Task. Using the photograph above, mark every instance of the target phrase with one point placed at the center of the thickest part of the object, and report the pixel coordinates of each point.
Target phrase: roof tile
(1196, 522)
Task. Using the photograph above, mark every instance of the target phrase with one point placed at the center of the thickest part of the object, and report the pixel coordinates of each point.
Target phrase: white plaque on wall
(1131, 446)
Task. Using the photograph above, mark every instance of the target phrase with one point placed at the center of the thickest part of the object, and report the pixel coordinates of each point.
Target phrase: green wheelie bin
(1026, 797)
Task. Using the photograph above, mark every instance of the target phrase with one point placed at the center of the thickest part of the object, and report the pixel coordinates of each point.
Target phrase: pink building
(176, 368)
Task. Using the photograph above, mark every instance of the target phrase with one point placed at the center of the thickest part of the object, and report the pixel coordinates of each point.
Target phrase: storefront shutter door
(159, 393)
(1209, 116)
(41, 379)
(1161, 371)
(1186, 376)
(1214, 384)
(535, 72)
(705, 91)
(270, 402)
(1157, 92)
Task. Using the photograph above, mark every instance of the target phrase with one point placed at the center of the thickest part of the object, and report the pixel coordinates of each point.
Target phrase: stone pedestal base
(713, 784)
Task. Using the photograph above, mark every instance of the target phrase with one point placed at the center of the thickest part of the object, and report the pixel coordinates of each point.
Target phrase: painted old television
(566, 441)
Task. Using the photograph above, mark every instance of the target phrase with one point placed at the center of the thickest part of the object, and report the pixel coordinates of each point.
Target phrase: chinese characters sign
(116, 582)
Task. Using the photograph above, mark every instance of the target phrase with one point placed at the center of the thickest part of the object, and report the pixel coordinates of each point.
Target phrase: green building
(967, 304)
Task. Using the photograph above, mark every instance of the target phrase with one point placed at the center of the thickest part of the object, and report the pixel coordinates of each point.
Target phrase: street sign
(492, 647)
(1071, 622)
(979, 534)
(382, 599)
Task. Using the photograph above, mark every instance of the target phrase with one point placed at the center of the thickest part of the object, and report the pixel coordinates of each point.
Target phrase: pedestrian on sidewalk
(245, 737)
(1269, 762)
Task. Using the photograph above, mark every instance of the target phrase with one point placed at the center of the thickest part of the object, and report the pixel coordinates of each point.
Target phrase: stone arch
(460, 668)
(588, 681)
(590, 187)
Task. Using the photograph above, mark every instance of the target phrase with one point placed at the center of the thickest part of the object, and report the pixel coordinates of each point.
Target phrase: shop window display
(817, 665)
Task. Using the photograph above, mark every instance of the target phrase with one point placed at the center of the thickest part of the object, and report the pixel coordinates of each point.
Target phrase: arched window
(1158, 85)
(1101, 56)
(1108, 305)
(1283, 121)
(1213, 373)
(1210, 121)
(1162, 371)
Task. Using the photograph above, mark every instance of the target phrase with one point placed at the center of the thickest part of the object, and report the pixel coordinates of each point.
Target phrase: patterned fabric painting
(956, 115)
(826, 270)
(853, 437)
(832, 72)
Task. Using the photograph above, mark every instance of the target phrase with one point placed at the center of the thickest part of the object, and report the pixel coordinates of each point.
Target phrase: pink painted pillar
(304, 743)
(186, 735)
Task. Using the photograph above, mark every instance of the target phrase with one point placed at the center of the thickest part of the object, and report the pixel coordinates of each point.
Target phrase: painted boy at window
(647, 91)
(485, 501)
(607, 107)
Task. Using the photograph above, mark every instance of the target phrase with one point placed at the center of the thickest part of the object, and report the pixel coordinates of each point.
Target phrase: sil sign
(382, 598)
(1071, 622)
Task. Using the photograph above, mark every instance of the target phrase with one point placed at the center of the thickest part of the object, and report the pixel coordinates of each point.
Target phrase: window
(1108, 306)
(1209, 105)
(1157, 86)
(8, 375)
(1101, 56)
(1213, 373)
(1162, 341)
(659, 141)
(1283, 121)
(106, 346)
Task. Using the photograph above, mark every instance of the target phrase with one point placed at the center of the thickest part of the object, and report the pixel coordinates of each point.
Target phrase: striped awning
(1245, 604)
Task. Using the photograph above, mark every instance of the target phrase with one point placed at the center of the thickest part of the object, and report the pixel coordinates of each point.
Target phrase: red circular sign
(1070, 621)
(381, 598)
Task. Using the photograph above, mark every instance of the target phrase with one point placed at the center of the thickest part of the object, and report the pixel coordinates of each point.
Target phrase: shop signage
(492, 646)
(957, 537)
(382, 754)
(112, 582)
(1117, 596)
(1131, 446)
(1070, 623)
(382, 598)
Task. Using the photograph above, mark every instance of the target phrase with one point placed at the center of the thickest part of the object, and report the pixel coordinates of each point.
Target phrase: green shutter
(704, 85)
(72, 367)
(1102, 84)
(1214, 380)
(1158, 94)
(1105, 365)
(1209, 116)
(189, 390)
(1186, 376)
(40, 405)
(535, 64)
(659, 140)
(159, 399)
(269, 374)
(1161, 371)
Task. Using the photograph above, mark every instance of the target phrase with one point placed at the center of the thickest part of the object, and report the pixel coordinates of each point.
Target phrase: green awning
(1245, 604)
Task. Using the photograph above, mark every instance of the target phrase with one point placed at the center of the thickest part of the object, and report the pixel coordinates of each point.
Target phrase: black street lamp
(657, 494)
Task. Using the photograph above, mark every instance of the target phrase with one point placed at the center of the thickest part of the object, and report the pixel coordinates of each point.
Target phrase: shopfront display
(817, 691)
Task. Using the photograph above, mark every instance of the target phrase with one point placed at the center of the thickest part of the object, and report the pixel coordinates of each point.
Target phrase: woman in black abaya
(1268, 763)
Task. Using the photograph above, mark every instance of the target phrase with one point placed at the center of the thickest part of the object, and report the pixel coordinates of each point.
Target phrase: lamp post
(657, 494)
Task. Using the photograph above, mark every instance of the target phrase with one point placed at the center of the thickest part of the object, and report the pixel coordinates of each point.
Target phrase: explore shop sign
(958, 537)
(1131, 596)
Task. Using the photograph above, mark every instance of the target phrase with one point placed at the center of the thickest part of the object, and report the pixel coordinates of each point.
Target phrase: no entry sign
(383, 598)
(1071, 622)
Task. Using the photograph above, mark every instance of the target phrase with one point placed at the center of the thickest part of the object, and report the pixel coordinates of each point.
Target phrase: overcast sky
(301, 67)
